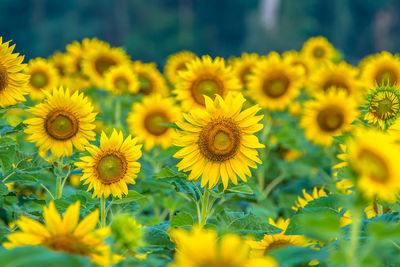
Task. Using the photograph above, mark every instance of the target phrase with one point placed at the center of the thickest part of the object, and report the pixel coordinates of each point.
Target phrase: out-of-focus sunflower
(372, 210)
(43, 76)
(374, 157)
(146, 120)
(219, 141)
(243, 66)
(318, 50)
(112, 166)
(64, 234)
(13, 83)
(121, 79)
(382, 106)
(328, 115)
(297, 59)
(340, 76)
(59, 61)
(176, 63)
(96, 62)
(150, 79)
(274, 84)
(204, 77)
(62, 122)
(382, 69)
(202, 247)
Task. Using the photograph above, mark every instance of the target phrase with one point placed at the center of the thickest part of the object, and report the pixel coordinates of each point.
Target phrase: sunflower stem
(352, 259)
(204, 207)
(58, 187)
(103, 212)
(117, 112)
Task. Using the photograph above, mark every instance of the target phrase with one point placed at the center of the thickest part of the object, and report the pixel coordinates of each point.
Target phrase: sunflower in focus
(96, 62)
(204, 77)
(146, 120)
(13, 83)
(219, 141)
(382, 69)
(275, 84)
(374, 157)
(62, 121)
(112, 166)
(176, 63)
(64, 234)
(243, 66)
(43, 77)
(382, 106)
(328, 115)
(150, 79)
(318, 50)
(295, 58)
(340, 76)
(202, 247)
(121, 79)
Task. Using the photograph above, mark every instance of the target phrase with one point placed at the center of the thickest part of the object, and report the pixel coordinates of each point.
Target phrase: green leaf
(3, 189)
(294, 256)
(166, 153)
(8, 129)
(132, 196)
(8, 148)
(182, 219)
(241, 189)
(169, 172)
(156, 238)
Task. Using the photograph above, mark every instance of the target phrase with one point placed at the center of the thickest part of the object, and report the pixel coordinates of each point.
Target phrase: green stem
(48, 191)
(352, 259)
(117, 112)
(103, 212)
(8, 176)
(204, 207)
(58, 187)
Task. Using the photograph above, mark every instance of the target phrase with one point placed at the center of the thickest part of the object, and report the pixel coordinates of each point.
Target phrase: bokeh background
(151, 29)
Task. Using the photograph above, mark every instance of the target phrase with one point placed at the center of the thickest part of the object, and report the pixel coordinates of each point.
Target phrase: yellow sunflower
(146, 118)
(112, 166)
(150, 79)
(295, 58)
(176, 63)
(13, 83)
(340, 76)
(318, 49)
(374, 157)
(64, 234)
(382, 106)
(275, 84)
(61, 122)
(243, 66)
(43, 76)
(372, 210)
(204, 77)
(382, 69)
(97, 60)
(219, 141)
(329, 115)
(59, 61)
(202, 247)
(121, 79)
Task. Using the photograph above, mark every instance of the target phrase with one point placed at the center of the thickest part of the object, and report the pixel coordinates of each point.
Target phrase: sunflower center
(220, 140)
(111, 167)
(244, 74)
(385, 105)
(208, 86)
(103, 63)
(386, 77)
(146, 86)
(276, 87)
(38, 80)
(3, 78)
(330, 119)
(121, 83)
(373, 166)
(153, 123)
(181, 66)
(61, 125)
(278, 244)
(319, 52)
(67, 243)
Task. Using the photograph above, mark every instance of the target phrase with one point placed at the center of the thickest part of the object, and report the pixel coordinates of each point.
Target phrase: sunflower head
(382, 69)
(150, 79)
(295, 58)
(43, 76)
(382, 106)
(318, 49)
(61, 122)
(243, 66)
(303, 201)
(176, 63)
(59, 61)
(121, 79)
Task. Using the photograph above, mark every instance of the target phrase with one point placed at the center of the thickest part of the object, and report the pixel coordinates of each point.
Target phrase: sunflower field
(288, 159)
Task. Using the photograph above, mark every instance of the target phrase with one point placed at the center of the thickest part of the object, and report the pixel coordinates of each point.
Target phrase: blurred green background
(151, 29)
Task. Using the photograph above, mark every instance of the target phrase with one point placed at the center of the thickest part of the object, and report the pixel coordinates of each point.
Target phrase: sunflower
(96, 62)
(64, 234)
(382, 69)
(374, 157)
(176, 63)
(243, 66)
(372, 210)
(219, 141)
(13, 83)
(150, 79)
(340, 76)
(382, 106)
(112, 166)
(61, 122)
(43, 77)
(274, 84)
(295, 58)
(120, 79)
(59, 61)
(147, 117)
(318, 49)
(201, 247)
(329, 115)
(204, 77)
